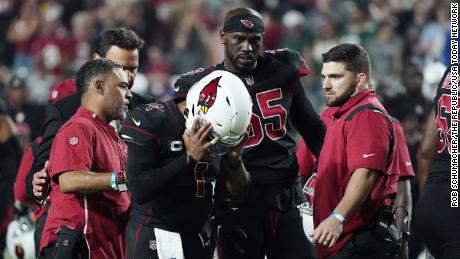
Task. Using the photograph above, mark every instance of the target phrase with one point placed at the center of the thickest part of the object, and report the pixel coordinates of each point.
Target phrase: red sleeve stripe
(157, 140)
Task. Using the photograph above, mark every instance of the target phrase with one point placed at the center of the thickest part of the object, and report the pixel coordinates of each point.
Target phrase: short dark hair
(120, 37)
(354, 56)
(100, 68)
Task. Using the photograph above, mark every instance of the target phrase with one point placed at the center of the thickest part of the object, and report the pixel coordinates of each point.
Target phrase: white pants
(169, 244)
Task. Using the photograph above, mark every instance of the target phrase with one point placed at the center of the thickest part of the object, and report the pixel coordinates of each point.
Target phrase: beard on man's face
(237, 64)
(340, 100)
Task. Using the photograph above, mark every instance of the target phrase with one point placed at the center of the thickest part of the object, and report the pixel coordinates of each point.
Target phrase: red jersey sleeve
(368, 137)
(402, 154)
(72, 149)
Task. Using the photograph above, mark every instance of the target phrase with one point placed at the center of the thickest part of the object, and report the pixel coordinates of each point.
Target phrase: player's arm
(37, 175)
(307, 121)
(403, 203)
(232, 170)
(84, 182)
(146, 174)
(403, 210)
(358, 190)
(72, 157)
(427, 151)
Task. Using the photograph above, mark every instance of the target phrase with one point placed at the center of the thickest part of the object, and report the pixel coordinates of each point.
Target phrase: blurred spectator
(8, 11)
(21, 32)
(273, 31)
(28, 117)
(411, 107)
(192, 37)
(385, 52)
(83, 32)
(216, 51)
(432, 74)
(357, 27)
(158, 73)
(52, 50)
(296, 34)
(381, 10)
(160, 29)
(325, 41)
(313, 82)
(433, 35)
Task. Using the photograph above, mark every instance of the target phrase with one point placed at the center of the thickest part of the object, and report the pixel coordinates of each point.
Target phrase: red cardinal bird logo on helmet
(208, 95)
(247, 23)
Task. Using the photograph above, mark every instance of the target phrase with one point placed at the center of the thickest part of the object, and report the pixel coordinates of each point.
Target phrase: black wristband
(405, 236)
(190, 160)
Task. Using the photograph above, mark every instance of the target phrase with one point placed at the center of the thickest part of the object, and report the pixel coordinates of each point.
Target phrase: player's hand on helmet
(327, 233)
(40, 182)
(234, 153)
(198, 141)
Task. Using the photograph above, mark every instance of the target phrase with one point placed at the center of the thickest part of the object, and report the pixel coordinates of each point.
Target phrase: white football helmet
(222, 99)
(20, 237)
(306, 208)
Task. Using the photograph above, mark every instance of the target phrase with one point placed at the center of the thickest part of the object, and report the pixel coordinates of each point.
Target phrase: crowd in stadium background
(45, 41)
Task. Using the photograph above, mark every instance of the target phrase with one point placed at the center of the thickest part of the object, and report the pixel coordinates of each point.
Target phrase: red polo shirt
(362, 142)
(403, 158)
(87, 143)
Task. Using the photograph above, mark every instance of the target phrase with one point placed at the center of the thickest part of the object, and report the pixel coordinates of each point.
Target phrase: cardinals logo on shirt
(208, 95)
(248, 23)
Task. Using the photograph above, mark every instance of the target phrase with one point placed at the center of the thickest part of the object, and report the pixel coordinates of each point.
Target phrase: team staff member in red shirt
(403, 203)
(88, 211)
(118, 44)
(402, 208)
(354, 175)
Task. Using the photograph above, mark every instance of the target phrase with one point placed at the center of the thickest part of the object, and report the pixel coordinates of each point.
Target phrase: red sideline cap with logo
(62, 89)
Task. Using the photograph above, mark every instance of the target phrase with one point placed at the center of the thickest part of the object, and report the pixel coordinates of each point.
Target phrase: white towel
(169, 244)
